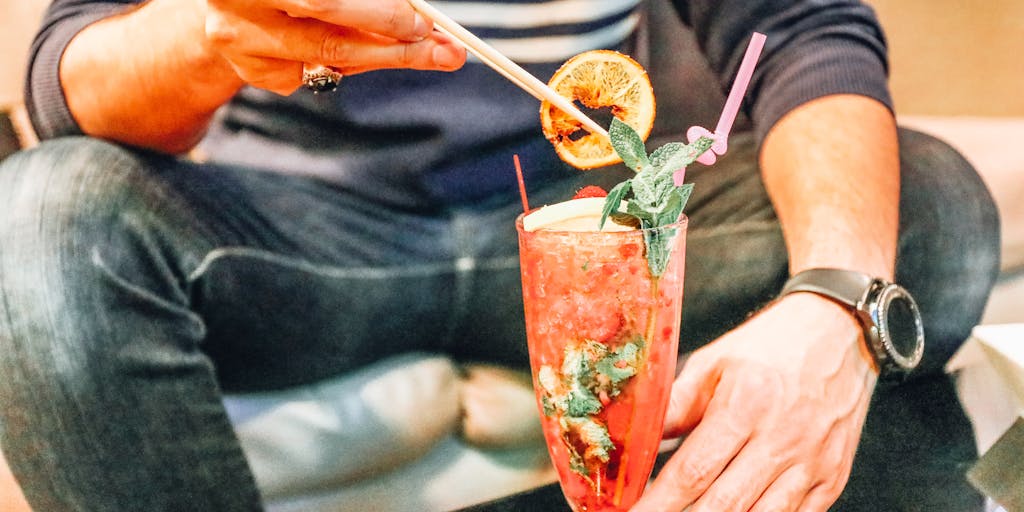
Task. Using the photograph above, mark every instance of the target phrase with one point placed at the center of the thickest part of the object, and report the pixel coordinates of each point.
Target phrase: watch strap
(845, 286)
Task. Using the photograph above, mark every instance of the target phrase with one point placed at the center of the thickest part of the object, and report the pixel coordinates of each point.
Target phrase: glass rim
(681, 222)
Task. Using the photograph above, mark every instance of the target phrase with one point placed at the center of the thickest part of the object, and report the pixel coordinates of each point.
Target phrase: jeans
(135, 289)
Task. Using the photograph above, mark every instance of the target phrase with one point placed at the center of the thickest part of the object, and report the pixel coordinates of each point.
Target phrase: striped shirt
(419, 139)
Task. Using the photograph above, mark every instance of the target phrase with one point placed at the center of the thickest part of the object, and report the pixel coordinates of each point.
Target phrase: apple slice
(573, 215)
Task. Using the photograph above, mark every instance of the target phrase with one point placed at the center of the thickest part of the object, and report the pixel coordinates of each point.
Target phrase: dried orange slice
(597, 79)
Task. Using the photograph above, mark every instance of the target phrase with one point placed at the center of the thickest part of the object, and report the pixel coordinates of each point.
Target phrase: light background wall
(954, 57)
(18, 22)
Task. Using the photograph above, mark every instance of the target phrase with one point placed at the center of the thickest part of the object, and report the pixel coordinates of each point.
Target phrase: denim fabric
(135, 289)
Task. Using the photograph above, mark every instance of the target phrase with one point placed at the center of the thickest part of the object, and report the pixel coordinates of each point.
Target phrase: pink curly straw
(732, 107)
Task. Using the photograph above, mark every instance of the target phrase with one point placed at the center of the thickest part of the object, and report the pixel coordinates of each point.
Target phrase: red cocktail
(603, 335)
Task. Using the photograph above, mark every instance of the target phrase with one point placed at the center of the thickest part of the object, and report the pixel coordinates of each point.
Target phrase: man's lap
(300, 281)
(262, 224)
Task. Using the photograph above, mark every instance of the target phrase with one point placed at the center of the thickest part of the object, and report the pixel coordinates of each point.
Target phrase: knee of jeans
(75, 214)
(67, 194)
(70, 229)
(64, 173)
(949, 240)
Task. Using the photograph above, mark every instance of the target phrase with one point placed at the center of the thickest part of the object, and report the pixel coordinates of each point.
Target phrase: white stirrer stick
(502, 64)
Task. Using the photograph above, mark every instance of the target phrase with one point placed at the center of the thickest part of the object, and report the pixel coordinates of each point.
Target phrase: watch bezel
(880, 304)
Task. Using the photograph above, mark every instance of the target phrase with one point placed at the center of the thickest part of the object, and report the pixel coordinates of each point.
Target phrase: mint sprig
(656, 200)
(591, 374)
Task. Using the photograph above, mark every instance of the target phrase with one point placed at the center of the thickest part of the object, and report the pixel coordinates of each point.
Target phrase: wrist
(837, 327)
(889, 316)
(168, 82)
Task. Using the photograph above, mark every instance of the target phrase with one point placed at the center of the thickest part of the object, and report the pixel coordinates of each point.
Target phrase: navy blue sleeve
(44, 97)
(813, 49)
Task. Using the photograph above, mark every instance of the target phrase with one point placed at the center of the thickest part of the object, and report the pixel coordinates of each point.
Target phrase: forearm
(146, 77)
(831, 167)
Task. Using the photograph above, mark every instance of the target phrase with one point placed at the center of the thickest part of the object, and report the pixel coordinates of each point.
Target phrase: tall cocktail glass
(603, 335)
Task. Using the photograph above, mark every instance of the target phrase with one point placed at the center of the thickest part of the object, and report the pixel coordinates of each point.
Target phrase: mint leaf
(673, 206)
(595, 436)
(644, 189)
(578, 374)
(582, 403)
(614, 199)
(589, 369)
(684, 193)
(620, 364)
(659, 249)
(668, 154)
(664, 162)
(628, 144)
(576, 463)
(646, 216)
(675, 155)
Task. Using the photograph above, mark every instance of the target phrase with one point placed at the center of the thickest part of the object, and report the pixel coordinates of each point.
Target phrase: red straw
(522, 184)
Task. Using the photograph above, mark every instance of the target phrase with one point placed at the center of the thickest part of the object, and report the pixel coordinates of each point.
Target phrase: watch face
(900, 327)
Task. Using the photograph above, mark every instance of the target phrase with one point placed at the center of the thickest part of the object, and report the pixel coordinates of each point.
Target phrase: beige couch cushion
(414, 432)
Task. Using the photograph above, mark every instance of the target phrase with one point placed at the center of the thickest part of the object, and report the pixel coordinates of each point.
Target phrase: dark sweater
(417, 138)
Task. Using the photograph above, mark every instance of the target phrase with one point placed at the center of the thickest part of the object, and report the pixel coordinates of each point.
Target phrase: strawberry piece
(603, 325)
(590, 191)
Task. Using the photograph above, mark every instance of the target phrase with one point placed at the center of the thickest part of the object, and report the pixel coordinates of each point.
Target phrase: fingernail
(447, 56)
(422, 28)
(441, 38)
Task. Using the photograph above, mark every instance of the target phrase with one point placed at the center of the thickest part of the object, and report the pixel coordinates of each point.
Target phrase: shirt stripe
(557, 12)
(549, 30)
(533, 50)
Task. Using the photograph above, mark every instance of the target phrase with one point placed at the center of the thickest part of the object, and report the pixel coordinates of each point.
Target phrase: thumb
(691, 392)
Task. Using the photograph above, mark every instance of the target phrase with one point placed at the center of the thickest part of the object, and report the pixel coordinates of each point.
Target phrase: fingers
(786, 493)
(837, 455)
(266, 44)
(365, 52)
(819, 499)
(762, 436)
(277, 67)
(275, 75)
(391, 18)
(798, 489)
(309, 40)
(743, 481)
(698, 463)
(690, 394)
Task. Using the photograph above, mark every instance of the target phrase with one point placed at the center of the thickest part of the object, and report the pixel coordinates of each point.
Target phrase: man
(323, 232)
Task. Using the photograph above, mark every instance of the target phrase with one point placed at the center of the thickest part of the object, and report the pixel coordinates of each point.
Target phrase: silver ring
(318, 78)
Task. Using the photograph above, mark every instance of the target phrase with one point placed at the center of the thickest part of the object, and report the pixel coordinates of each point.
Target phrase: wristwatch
(888, 314)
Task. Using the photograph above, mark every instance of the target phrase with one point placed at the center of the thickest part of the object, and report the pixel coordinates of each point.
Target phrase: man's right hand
(266, 42)
(154, 75)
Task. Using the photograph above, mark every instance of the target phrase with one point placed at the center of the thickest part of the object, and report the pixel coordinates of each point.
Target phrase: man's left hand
(772, 413)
